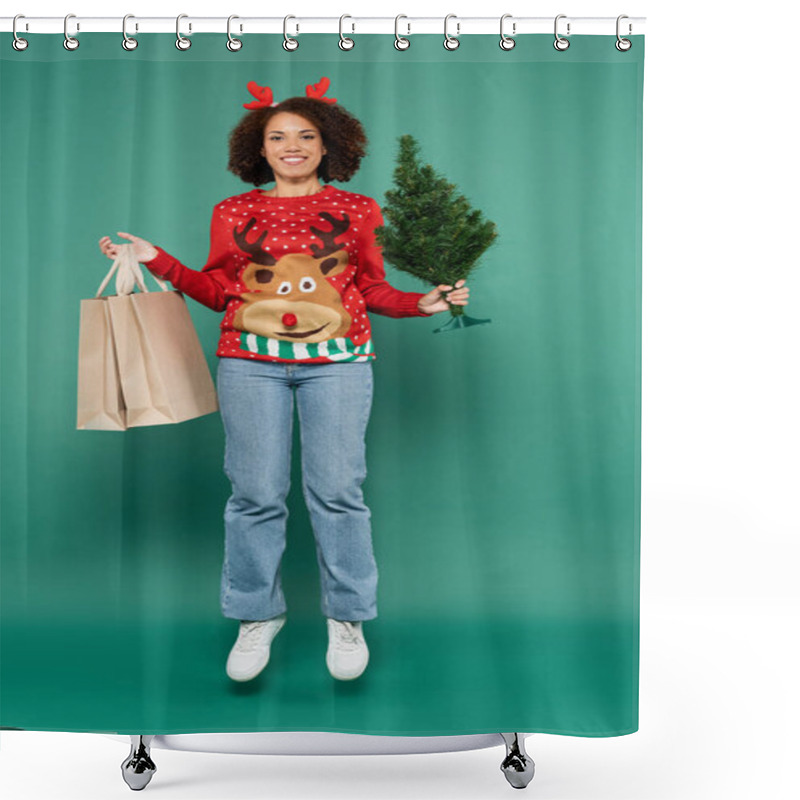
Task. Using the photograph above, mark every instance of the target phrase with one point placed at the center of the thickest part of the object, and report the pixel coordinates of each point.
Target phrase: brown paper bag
(163, 372)
(100, 403)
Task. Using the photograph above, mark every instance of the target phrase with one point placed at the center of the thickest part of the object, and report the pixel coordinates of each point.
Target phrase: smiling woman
(303, 126)
(295, 271)
(293, 148)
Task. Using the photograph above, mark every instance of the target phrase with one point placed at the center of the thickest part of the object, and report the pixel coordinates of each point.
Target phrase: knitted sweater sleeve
(207, 285)
(370, 277)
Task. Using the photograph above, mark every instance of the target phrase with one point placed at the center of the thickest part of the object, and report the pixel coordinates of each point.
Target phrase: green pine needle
(430, 231)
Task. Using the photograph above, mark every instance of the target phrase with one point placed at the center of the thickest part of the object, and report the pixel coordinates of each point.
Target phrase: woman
(295, 269)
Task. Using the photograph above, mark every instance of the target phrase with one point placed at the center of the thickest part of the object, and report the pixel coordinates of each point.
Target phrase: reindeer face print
(289, 297)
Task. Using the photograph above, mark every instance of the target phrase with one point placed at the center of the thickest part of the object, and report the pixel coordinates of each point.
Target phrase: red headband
(263, 94)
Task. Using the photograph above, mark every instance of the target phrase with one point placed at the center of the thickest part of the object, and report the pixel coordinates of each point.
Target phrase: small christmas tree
(430, 232)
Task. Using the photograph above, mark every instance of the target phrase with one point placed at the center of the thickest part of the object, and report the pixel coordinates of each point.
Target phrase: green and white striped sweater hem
(341, 349)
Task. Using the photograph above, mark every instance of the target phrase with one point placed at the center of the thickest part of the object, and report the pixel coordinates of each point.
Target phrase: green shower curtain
(503, 459)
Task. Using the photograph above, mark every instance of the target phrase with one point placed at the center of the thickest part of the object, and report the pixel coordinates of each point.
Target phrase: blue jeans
(256, 400)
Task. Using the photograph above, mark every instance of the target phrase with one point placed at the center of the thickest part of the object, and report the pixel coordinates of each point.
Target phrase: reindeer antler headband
(263, 94)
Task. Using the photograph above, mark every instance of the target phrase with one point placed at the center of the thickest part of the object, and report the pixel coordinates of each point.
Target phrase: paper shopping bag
(100, 402)
(162, 367)
(159, 370)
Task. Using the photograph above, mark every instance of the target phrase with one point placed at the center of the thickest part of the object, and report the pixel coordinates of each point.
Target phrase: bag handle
(129, 273)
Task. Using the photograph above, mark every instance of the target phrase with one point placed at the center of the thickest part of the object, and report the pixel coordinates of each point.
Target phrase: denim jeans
(334, 400)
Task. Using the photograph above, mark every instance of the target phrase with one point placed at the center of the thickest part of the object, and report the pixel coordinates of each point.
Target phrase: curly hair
(342, 134)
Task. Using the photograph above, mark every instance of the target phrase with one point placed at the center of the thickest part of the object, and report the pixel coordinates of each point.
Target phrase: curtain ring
(450, 42)
(70, 42)
(506, 42)
(623, 44)
(288, 42)
(344, 42)
(400, 42)
(18, 43)
(560, 43)
(128, 42)
(182, 43)
(233, 44)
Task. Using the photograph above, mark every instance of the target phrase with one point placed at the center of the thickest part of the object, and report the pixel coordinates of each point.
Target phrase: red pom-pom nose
(289, 320)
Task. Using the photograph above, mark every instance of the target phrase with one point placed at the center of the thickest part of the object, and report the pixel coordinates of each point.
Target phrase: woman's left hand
(434, 302)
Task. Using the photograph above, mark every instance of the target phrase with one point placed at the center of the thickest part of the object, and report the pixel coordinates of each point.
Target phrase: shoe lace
(251, 634)
(348, 636)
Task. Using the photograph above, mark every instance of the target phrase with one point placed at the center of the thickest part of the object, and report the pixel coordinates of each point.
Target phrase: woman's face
(292, 146)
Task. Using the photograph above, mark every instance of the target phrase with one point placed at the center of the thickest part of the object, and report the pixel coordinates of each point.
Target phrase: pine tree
(429, 231)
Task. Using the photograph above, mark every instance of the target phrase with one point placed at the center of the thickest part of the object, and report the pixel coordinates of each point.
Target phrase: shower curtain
(503, 459)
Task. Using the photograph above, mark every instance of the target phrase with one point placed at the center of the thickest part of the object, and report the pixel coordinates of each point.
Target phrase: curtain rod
(407, 25)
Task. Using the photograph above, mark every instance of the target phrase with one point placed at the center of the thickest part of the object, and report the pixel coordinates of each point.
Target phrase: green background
(504, 460)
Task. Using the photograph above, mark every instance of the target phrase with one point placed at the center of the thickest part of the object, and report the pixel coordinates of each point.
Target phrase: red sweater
(295, 276)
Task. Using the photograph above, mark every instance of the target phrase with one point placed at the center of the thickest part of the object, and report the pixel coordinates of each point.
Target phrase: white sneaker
(347, 654)
(250, 653)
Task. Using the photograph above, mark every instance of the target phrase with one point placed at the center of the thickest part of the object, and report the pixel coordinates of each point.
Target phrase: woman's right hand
(142, 249)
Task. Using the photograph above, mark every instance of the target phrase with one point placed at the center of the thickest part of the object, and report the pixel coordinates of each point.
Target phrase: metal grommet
(70, 42)
(506, 42)
(450, 42)
(400, 42)
(560, 43)
(233, 44)
(289, 43)
(182, 43)
(128, 43)
(344, 42)
(623, 44)
(18, 43)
